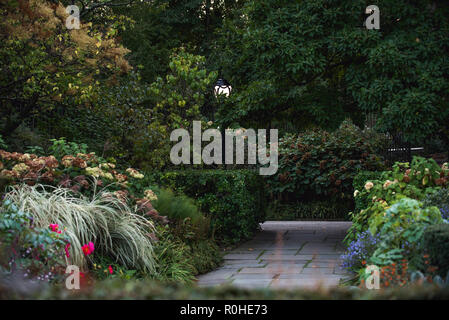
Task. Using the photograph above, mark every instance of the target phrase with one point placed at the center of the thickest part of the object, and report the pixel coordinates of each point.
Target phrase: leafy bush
(177, 207)
(205, 255)
(104, 220)
(400, 228)
(35, 252)
(439, 199)
(416, 180)
(186, 221)
(70, 170)
(179, 261)
(60, 147)
(319, 163)
(310, 210)
(391, 209)
(234, 200)
(436, 244)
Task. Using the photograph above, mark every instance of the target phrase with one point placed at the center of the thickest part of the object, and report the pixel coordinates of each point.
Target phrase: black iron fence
(400, 150)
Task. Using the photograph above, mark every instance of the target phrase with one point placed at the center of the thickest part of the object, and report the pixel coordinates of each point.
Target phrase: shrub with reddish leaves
(318, 163)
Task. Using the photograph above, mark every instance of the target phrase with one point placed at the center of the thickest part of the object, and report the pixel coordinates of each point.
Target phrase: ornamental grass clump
(103, 219)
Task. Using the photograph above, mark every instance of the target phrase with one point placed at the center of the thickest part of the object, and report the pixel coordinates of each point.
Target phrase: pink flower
(67, 246)
(88, 248)
(54, 227)
(110, 270)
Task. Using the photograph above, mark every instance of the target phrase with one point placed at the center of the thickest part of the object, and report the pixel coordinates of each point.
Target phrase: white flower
(356, 193)
(368, 185)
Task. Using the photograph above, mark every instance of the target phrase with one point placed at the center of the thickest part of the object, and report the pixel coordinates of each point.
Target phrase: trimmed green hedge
(311, 210)
(436, 244)
(233, 199)
(116, 289)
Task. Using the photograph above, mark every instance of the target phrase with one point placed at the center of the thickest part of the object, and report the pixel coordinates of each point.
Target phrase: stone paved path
(285, 255)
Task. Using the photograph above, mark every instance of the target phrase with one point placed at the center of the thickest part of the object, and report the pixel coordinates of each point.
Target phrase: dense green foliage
(234, 200)
(310, 210)
(37, 53)
(314, 60)
(436, 243)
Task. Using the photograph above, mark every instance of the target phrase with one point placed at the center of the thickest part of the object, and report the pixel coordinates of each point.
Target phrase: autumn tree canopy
(43, 63)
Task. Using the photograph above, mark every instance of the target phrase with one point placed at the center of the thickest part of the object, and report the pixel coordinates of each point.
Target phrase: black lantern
(222, 87)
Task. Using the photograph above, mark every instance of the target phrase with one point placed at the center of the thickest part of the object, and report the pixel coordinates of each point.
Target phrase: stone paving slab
(254, 276)
(285, 255)
(251, 283)
(241, 256)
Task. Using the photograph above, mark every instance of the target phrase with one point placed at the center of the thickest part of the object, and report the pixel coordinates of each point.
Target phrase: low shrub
(118, 289)
(179, 261)
(33, 252)
(205, 255)
(173, 257)
(234, 200)
(187, 222)
(400, 228)
(310, 210)
(110, 224)
(439, 199)
(436, 243)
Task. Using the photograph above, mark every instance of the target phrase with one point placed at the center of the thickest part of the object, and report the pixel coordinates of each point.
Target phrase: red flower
(110, 270)
(88, 249)
(67, 246)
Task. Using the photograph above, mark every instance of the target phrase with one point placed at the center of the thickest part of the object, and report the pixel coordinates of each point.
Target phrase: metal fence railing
(400, 150)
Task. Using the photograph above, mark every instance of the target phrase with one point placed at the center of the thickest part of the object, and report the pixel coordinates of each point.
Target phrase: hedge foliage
(234, 200)
(152, 290)
(436, 244)
(311, 210)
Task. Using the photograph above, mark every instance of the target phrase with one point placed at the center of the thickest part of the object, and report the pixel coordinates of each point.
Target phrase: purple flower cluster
(445, 212)
(358, 250)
